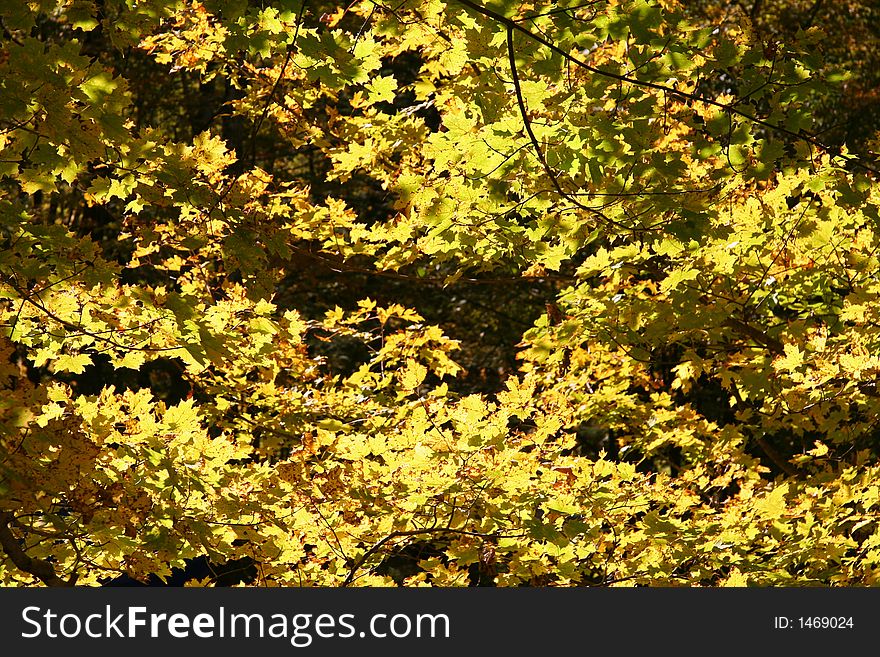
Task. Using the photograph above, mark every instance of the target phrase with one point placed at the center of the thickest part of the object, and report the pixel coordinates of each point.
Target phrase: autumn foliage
(246, 251)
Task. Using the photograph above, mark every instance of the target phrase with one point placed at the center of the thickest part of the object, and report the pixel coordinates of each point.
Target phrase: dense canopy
(435, 293)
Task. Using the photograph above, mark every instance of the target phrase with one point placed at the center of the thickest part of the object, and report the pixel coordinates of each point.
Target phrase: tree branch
(40, 569)
(527, 124)
(412, 532)
(511, 24)
(778, 460)
(745, 330)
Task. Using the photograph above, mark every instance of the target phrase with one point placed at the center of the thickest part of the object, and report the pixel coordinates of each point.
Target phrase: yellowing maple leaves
(703, 410)
(72, 363)
(197, 39)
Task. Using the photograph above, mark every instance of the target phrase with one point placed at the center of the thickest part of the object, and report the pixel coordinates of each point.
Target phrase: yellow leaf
(820, 450)
(382, 89)
(132, 359)
(792, 359)
(50, 412)
(772, 505)
(412, 375)
(183, 418)
(72, 363)
(735, 578)
(677, 277)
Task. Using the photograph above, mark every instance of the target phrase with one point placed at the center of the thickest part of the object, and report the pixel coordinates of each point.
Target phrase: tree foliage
(255, 259)
(848, 114)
